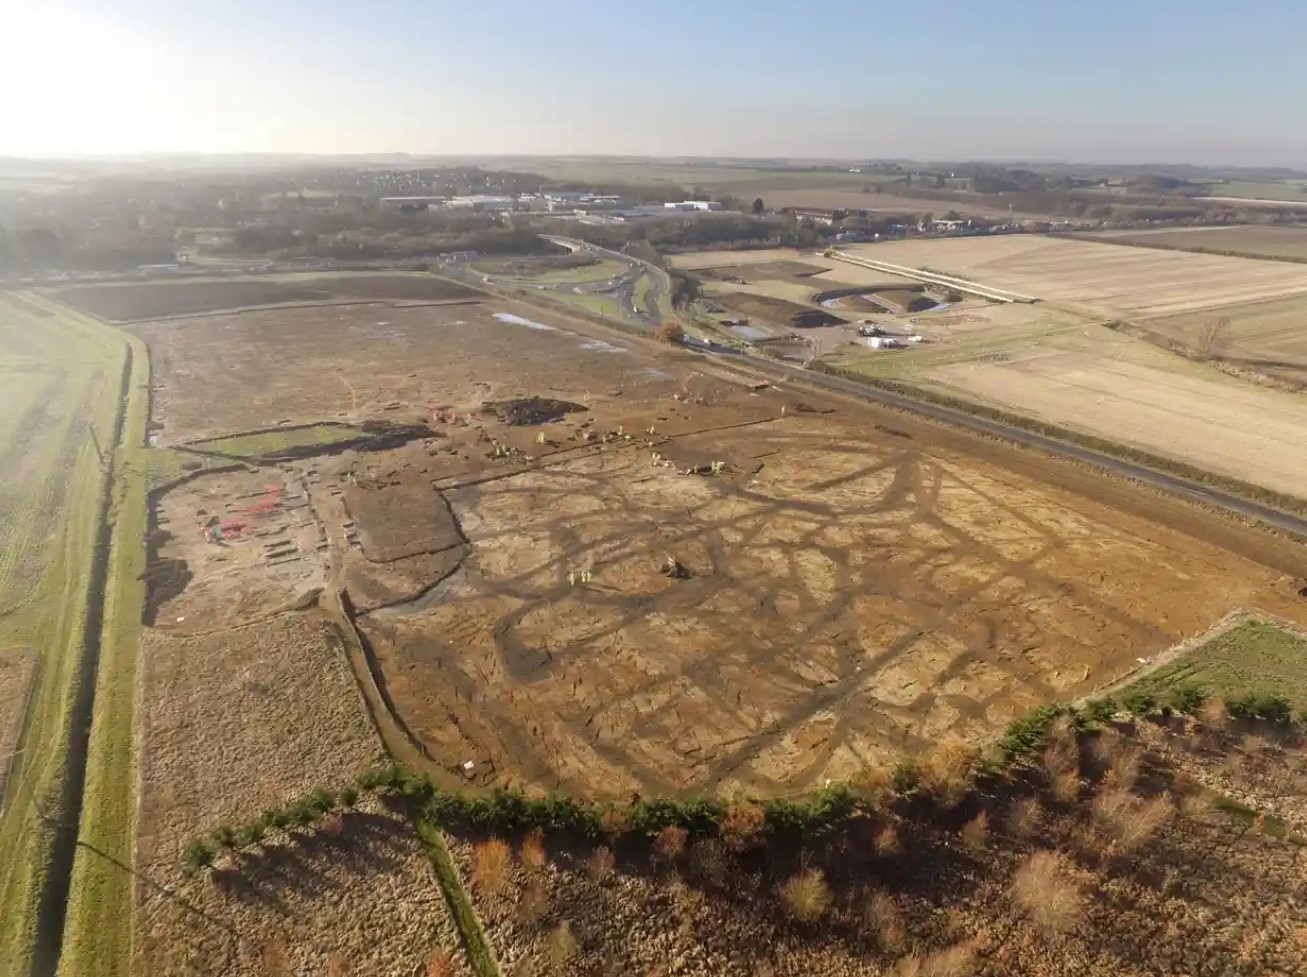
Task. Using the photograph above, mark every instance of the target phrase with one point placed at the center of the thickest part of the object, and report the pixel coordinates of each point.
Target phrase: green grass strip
(465, 917)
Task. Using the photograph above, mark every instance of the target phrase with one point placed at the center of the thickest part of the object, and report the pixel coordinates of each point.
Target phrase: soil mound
(531, 410)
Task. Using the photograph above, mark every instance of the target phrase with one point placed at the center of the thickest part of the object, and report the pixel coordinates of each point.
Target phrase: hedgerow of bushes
(504, 810)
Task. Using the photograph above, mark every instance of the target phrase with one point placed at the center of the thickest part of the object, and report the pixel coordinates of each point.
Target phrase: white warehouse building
(693, 205)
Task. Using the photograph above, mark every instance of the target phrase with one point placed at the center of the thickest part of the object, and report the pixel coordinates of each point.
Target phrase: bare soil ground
(776, 311)
(1254, 241)
(421, 287)
(1235, 429)
(927, 592)
(235, 721)
(358, 362)
(767, 269)
(131, 302)
(1130, 871)
(1102, 278)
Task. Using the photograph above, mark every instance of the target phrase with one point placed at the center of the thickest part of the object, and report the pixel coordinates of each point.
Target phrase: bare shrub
(1213, 714)
(708, 862)
(876, 784)
(533, 850)
(1123, 760)
(332, 826)
(1211, 335)
(1065, 787)
(669, 843)
(600, 863)
(532, 903)
(884, 920)
(742, 824)
(490, 862)
(1046, 890)
(1025, 817)
(1197, 805)
(441, 964)
(670, 331)
(886, 842)
(1129, 821)
(614, 822)
(561, 945)
(946, 771)
(975, 833)
(806, 895)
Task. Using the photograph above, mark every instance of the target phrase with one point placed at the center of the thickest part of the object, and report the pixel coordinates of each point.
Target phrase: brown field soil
(427, 288)
(128, 303)
(1174, 886)
(851, 593)
(233, 722)
(927, 592)
(780, 312)
(1235, 429)
(767, 269)
(1265, 338)
(1251, 240)
(17, 666)
(1101, 278)
(353, 363)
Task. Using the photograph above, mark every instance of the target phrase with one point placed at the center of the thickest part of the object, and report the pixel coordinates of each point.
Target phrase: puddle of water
(517, 320)
(599, 346)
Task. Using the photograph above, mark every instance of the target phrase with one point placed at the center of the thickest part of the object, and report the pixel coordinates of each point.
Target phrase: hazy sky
(1160, 80)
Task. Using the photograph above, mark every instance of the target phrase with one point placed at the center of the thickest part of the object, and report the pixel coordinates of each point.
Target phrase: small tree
(975, 833)
(533, 850)
(742, 824)
(884, 920)
(806, 895)
(758, 206)
(669, 843)
(600, 863)
(670, 331)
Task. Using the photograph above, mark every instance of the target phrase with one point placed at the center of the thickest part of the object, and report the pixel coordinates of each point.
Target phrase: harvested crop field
(415, 288)
(1100, 278)
(846, 594)
(1195, 415)
(779, 312)
(766, 269)
(137, 301)
(351, 363)
(17, 666)
(1261, 338)
(883, 203)
(1252, 241)
(237, 721)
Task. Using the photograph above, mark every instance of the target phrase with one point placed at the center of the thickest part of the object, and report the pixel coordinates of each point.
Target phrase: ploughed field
(613, 567)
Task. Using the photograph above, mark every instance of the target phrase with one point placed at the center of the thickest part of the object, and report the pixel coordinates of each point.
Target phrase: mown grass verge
(98, 932)
(44, 791)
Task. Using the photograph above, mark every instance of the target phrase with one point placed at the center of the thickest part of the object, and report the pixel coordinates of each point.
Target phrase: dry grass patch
(533, 853)
(1045, 888)
(491, 860)
(1025, 816)
(562, 944)
(884, 920)
(947, 770)
(1129, 821)
(975, 833)
(806, 895)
